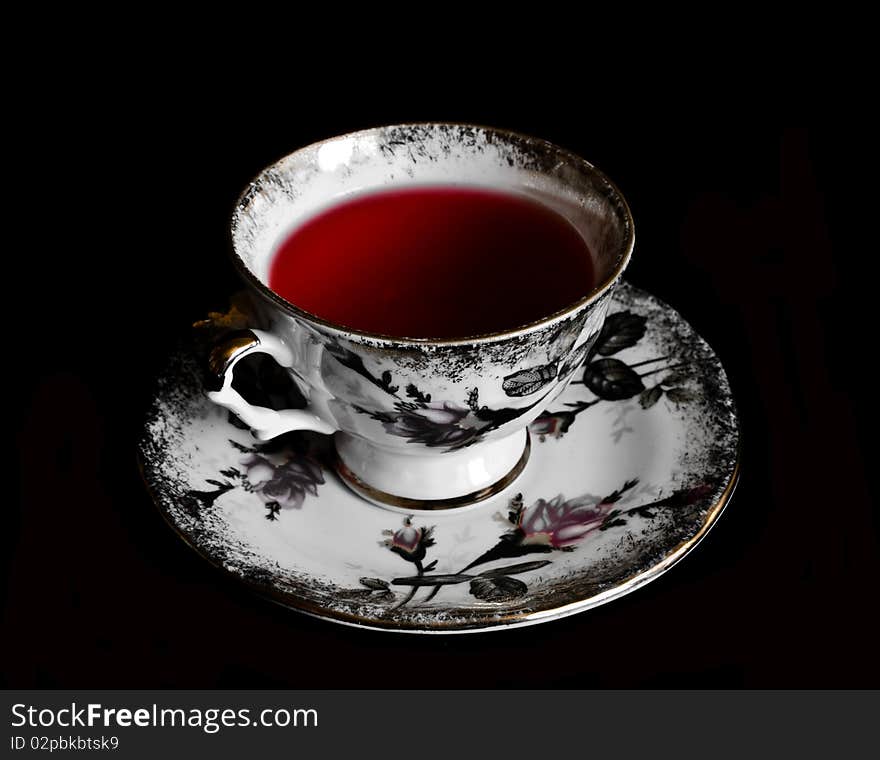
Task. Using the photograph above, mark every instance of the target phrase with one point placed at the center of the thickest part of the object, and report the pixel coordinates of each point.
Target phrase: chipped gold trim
(229, 349)
(366, 491)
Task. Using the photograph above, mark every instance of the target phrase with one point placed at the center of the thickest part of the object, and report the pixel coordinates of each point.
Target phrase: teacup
(420, 423)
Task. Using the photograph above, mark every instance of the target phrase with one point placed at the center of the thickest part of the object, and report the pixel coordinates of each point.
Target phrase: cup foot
(443, 476)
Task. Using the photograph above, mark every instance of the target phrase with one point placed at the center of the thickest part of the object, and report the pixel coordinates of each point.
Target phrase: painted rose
(409, 542)
(558, 523)
(554, 424)
(433, 424)
(281, 480)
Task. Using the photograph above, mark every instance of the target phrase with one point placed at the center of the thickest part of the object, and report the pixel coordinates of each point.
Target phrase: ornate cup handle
(265, 423)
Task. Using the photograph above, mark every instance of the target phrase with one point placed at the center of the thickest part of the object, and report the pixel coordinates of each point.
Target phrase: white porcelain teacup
(462, 436)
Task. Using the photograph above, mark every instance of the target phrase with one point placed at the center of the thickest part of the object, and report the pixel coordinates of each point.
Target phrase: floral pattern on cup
(432, 424)
(611, 379)
(443, 424)
(282, 479)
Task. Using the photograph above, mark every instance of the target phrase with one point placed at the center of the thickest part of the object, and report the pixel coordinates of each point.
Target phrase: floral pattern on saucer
(543, 527)
(633, 463)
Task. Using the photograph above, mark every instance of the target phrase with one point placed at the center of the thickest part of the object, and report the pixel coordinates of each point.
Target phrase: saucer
(629, 468)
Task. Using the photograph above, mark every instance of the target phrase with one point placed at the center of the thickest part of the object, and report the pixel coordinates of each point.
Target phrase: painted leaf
(620, 331)
(612, 524)
(431, 580)
(385, 383)
(644, 512)
(415, 393)
(501, 589)
(354, 362)
(650, 397)
(528, 381)
(612, 380)
(523, 567)
(507, 548)
(473, 400)
(376, 584)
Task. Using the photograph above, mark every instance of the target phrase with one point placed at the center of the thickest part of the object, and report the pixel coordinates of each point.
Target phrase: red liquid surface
(434, 262)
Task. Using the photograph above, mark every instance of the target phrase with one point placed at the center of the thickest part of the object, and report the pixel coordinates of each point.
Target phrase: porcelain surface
(629, 468)
(393, 398)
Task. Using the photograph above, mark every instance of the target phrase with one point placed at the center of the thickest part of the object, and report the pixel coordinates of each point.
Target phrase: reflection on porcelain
(452, 411)
(629, 468)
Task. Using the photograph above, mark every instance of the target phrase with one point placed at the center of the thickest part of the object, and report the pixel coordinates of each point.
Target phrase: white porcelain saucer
(628, 471)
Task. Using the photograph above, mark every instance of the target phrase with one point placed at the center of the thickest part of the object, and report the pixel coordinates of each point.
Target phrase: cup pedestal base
(419, 481)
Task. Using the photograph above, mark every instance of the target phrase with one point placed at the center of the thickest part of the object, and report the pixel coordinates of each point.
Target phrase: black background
(752, 232)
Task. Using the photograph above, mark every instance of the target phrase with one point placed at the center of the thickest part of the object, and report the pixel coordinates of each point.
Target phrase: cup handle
(266, 423)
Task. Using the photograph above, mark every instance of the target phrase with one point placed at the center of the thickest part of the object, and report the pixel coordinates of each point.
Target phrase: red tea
(434, 262)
